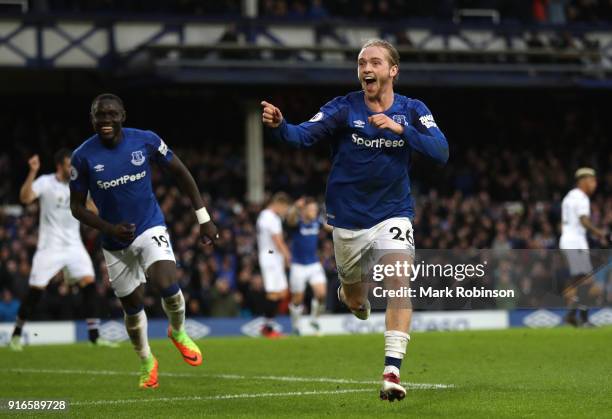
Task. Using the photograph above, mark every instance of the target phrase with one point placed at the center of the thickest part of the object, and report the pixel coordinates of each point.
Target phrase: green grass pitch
(512, 373)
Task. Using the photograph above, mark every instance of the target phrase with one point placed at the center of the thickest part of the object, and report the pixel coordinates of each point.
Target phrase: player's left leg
(297, 284)
(275, 284)
(25, 311)
(157, 261)
(318, 283)
(588, 292)
(45, 265)
(163, 275)
(393, 240)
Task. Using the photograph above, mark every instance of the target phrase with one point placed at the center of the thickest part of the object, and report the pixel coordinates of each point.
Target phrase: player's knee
(162, 273)
(355, 302)
(297, 298)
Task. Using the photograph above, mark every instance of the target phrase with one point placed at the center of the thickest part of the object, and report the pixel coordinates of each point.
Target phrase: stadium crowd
(541, 11)
(501, 194)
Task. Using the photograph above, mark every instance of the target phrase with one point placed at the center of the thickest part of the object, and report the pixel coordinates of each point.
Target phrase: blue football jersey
(369, 179)
(304, 241)
(119, 179)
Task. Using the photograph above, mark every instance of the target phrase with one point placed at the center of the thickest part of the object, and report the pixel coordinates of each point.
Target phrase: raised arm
(293, 214)
(26, 193)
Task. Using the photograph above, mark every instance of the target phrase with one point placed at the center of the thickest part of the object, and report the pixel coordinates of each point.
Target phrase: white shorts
(392, 234)
(567, 242)
(576, 250)
(273, 273)
(73, 261)
(300, 275)
(579, 262)
(127, 267)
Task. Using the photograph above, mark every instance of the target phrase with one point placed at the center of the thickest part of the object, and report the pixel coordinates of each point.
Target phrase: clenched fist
(34, 163)
(271, 116)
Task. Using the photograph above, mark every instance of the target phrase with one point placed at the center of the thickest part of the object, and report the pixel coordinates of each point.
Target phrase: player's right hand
(123, 232)
(271, 116)
(34, 163)
(208, 233)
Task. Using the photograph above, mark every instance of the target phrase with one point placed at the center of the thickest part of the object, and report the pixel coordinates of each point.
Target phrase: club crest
(138, 158)
(400, 119)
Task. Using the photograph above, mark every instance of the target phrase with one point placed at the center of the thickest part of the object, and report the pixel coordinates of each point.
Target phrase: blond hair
(393, 56)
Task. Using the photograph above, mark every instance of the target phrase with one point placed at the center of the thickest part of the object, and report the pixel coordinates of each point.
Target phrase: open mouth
(106, 129)
(369, 80)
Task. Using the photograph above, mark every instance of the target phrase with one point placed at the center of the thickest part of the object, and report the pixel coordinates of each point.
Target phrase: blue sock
(170, 291)
(395, 362)
(133, 311)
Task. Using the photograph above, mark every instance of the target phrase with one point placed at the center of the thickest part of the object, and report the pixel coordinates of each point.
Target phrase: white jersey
(573, 234)
(268, 224)
(57, 227)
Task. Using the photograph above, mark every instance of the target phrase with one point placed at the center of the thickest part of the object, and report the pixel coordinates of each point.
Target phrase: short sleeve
(39, 185)
(79, 176)
(274, 225)
(157, 149)
(582, 207)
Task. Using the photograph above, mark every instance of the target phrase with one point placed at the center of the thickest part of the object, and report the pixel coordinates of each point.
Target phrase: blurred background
(521, 88)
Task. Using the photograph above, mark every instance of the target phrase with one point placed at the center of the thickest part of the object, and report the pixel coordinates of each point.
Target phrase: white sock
(395, 347)
(174, 307)
(316, 309)
(396, 343)
(136, 326)
(296, 312)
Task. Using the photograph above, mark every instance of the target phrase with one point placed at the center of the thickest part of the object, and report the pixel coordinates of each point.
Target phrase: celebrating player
(274, 256)
(575, 217)
(114, 167)
(59, 246)
(305, 265)
(372, 133)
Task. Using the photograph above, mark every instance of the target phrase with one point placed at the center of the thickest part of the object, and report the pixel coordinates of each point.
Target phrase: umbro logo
(99, 167)
(542, 318)
(359, 123)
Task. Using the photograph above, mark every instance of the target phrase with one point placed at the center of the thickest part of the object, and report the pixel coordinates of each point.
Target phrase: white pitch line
(414, 386)
(220, 397)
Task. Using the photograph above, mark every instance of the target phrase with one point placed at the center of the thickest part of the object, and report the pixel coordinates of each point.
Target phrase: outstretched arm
(320, 126)
(187, 185)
